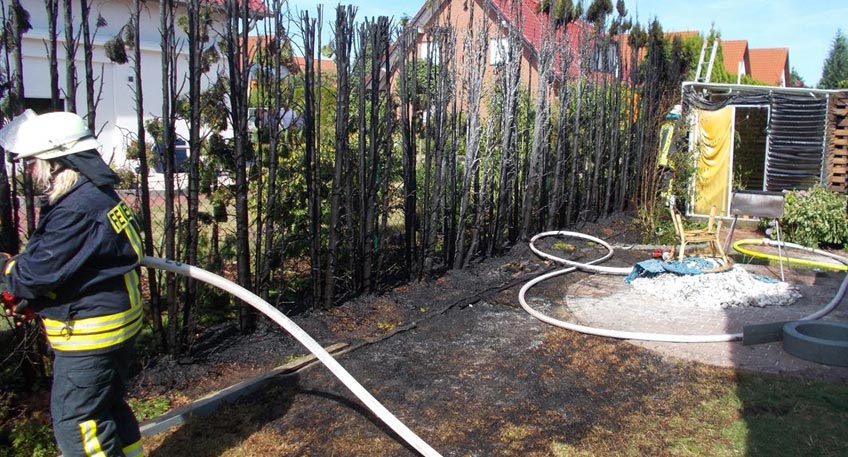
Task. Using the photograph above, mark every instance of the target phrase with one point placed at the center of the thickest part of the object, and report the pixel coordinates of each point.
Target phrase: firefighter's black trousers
(90, 415)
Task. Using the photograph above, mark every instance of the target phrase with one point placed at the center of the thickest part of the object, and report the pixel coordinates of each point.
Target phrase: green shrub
(149, 408)
(129, 179)
(31, 437)
(814, 217)
(654, 222)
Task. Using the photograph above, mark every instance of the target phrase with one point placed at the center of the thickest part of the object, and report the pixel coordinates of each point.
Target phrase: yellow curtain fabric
(714, 142)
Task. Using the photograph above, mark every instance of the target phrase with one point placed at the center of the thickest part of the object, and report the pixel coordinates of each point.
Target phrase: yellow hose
(737, 246)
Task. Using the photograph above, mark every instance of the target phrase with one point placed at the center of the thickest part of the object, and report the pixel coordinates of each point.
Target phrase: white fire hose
(265, 308)
(635, 335)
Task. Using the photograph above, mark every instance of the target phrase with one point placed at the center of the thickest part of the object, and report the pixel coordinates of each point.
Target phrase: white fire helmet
(47, 136)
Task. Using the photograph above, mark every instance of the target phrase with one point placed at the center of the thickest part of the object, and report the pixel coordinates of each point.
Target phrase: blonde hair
(55, 180)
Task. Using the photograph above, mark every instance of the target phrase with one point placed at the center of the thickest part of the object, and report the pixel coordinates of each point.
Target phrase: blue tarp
(654, 267)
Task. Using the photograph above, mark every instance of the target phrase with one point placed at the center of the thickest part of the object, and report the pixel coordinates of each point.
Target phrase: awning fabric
(714, 142)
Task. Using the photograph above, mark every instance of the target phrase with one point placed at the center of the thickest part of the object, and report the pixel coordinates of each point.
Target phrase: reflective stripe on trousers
(90, 415)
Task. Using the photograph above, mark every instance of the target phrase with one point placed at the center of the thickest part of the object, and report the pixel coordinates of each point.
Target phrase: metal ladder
(713, 48)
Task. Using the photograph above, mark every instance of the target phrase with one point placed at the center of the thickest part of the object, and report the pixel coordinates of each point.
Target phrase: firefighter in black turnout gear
(79, 273)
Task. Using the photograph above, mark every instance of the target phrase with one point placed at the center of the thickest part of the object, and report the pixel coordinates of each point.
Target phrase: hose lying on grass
(632, 335)
(265, 308)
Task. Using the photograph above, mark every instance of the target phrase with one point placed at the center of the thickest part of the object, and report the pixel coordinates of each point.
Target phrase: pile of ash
(733, 288)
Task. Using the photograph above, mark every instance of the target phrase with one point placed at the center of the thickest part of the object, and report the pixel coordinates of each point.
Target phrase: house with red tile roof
(504, 16)
(737, 58)
(325, 66)
(255, 7)
(770, 65)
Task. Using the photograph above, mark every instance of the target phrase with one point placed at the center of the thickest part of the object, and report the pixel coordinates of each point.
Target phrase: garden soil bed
(458, 361)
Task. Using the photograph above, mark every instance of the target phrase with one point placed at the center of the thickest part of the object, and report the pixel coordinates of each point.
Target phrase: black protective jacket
(79, 271)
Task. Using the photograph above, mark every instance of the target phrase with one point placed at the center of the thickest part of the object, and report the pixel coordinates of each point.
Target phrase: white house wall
(116, 116)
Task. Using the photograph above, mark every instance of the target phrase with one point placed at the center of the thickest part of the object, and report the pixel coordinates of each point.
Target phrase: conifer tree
(835, 70)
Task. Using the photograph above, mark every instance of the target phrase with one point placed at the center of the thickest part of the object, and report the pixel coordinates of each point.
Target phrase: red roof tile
(735, 51)
(256, 6)
(322, 65)
(535, 26)
(770, 65)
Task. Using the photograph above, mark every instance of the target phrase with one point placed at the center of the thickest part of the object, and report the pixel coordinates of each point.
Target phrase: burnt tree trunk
(408, 114)
(509, 83)
(88, 61)
(169, 52)
(310, 133)
(143, 172)
(20, 25)
(275, 36)
(533, 182)
(70, 57)
(235, 34)
(344, 33)
(474, 51)
(52, 47)
(195, 72)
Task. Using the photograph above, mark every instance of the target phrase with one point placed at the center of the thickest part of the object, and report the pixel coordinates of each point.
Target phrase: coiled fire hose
(265, 308)
(634, 335)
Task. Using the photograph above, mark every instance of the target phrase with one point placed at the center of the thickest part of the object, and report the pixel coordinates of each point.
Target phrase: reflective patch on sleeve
(119, 217)
(123, 220)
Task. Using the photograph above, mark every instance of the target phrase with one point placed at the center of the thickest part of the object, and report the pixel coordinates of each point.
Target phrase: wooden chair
(709, 235)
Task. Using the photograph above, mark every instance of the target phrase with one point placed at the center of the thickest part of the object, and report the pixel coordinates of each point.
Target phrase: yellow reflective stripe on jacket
(666, 135)
(90, 443)
(91, 342)
(99, 332)
(92, 325)
(133, 450)
(121, 217)
(135, 241)
(133, 283)
(9, 265)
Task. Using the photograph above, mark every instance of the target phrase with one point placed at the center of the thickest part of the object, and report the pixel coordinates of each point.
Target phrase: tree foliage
(835, 70)
(795, 79)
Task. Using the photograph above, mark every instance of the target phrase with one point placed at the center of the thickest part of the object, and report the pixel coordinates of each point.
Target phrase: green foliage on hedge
(814, 217)
(23, 432)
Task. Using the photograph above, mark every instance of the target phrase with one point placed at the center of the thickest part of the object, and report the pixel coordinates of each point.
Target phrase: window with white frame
(427, 47)
(498, 51)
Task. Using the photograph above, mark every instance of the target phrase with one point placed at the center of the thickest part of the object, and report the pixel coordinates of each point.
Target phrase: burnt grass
(459, 362)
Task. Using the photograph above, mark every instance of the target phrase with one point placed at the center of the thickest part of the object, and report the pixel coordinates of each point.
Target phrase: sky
(806, 27)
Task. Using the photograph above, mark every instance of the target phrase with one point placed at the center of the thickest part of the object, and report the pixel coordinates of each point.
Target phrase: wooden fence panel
(837, 143)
